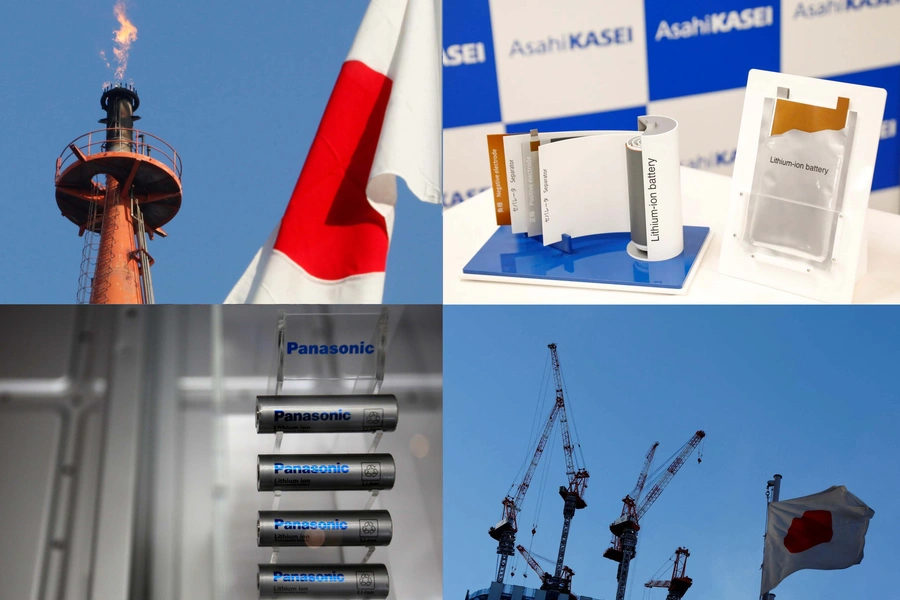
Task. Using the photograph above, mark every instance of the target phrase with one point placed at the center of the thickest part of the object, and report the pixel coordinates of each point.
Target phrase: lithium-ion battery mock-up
(323, 581)
(313, 472)
(324, 528)
(326, 414)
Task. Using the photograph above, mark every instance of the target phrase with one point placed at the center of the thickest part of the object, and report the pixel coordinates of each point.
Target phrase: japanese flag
(823, 531)
(382, 121)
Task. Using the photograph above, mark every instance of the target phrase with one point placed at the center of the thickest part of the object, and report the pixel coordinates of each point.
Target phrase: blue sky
(236, 87)
(809, 393)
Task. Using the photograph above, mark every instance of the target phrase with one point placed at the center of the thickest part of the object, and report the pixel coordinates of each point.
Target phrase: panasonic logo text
(361, 348)
(289, 417)
(332, 577)
(724, 22)
(323, 525)
(304, 469)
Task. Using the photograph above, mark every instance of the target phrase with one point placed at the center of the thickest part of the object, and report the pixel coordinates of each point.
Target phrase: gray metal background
(128, 466)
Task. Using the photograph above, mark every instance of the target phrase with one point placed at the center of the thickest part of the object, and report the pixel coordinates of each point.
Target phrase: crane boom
(642, 478)
(532, 562)
(578, 477)
(564, 421)
(538, 451)
(513, 504)
(672, 469)
(505, 531)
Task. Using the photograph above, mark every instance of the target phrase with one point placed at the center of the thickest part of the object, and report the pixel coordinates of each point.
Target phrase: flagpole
(775, 485)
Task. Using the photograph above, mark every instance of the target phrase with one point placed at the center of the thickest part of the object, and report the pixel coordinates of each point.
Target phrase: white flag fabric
(382, 121)
(822, 531)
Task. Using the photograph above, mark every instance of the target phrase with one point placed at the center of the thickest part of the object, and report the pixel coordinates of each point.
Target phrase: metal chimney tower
(123, 185)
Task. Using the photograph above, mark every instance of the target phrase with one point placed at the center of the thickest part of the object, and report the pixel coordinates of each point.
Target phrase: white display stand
(704, 202)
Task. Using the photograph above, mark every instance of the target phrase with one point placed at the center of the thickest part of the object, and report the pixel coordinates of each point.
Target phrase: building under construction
(119, 186)
(498, 591)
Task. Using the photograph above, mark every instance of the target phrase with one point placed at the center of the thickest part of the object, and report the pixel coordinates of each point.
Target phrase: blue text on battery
(309, 577)
(326, 525)
(293, 469)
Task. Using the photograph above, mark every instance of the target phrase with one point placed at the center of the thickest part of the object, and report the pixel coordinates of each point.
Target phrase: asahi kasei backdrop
(513, 65)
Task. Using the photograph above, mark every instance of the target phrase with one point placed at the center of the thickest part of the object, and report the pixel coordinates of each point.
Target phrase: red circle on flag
(810, 530)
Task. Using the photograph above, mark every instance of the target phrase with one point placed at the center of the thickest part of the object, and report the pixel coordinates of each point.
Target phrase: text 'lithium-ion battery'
(296, 472)
(323, 581)
(326, 414)
(324, 528)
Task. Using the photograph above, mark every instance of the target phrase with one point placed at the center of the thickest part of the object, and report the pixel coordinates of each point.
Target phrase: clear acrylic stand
(329, 353)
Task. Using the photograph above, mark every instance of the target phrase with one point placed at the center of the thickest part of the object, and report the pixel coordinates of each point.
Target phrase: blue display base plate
(595, 261)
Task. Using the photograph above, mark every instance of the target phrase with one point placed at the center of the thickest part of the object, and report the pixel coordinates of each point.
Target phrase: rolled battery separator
(660, 170)
(635, 165)
(323, 581)
(532, 183)
(327, 414)
(324, 528)
(312, 472)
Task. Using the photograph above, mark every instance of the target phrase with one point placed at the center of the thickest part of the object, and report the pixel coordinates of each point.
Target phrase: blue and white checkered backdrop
(513, 65)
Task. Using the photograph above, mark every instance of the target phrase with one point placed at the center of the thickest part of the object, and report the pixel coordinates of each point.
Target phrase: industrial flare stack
(123, 185)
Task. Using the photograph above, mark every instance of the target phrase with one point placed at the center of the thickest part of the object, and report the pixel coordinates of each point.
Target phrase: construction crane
(505, 531)
(614, 552)
(626, 527)
(642, 477)
(573, 495)
(562, 584)
(679, 584)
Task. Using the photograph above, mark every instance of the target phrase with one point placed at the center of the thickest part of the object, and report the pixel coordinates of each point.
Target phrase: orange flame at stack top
(124, 36)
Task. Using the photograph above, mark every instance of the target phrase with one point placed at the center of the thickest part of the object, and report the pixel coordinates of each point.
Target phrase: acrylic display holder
(790, 226)
(595, 261)
(348, 358)
(791, 229)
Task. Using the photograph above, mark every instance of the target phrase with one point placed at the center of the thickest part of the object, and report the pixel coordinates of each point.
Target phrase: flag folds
(382, 121)
(822, 531)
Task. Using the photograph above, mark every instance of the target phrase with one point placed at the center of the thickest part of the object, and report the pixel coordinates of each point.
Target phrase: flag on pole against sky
(382, 121)
(823, 531)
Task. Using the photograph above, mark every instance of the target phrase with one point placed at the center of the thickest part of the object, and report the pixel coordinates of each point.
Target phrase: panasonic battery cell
(323, 581)
(304, 472)
(324, 528)
(326, 414)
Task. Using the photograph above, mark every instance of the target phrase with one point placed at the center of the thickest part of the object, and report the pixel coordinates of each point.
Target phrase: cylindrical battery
(323, 581)
(291, 472)
(324, 528)
(634, 164)
(326, 414)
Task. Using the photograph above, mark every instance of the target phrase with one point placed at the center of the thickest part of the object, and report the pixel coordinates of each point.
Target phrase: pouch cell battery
(326, 414)
(797, 188)
(305, 472)
(323, 581)
(324, 528)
